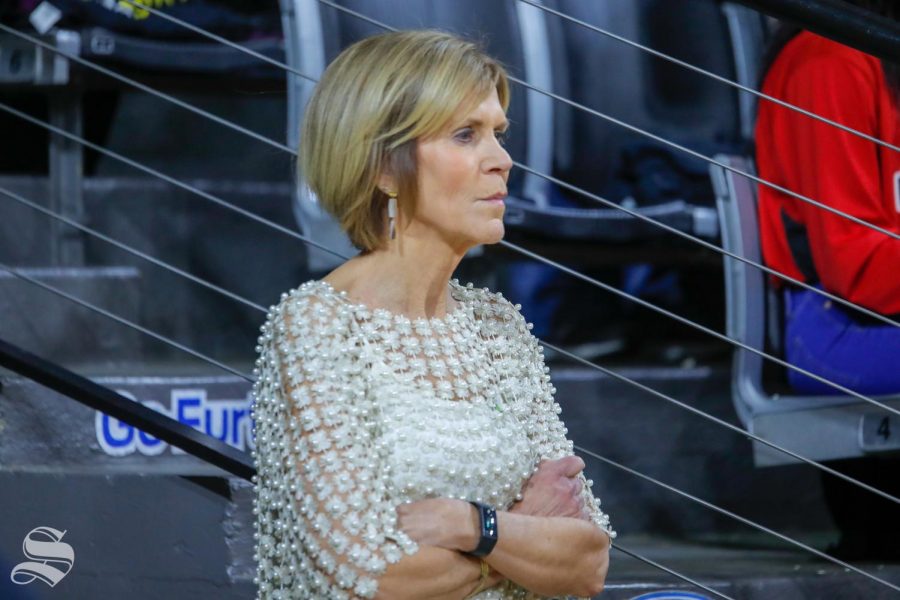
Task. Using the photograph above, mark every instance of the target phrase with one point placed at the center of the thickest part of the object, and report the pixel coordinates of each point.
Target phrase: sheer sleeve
(545, 428)
(325, 525)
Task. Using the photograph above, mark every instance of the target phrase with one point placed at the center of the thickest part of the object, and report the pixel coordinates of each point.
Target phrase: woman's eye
(501, 137)
(465, 135)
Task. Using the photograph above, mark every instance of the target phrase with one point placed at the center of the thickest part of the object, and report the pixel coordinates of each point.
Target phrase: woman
(845, 172)
(408, 444)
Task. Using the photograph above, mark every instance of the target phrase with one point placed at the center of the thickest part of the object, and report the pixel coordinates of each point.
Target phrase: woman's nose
(500, 159)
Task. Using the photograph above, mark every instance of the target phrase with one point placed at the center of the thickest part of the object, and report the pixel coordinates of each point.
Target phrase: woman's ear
(387, 183)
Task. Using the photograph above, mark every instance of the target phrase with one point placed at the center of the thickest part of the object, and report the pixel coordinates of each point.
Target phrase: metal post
(66, 156)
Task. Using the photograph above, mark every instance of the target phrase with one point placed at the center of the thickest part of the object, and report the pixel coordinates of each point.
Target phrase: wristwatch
(487, 516)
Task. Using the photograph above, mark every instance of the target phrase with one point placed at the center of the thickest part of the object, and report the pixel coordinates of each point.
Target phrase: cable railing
(532, 255)
(575, 358)
(575, 189)
(280, 146)
(221, 455)
(669, 314)
(528, 253)
(514, 247)
(262, 309)
(611, 289)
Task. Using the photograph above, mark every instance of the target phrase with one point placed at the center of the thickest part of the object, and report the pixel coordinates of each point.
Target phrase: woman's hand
(554, 490)
(451, 524)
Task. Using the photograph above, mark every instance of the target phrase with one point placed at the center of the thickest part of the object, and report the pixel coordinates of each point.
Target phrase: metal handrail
(94, 395)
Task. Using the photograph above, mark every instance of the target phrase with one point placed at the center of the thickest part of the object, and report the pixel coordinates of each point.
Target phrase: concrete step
(44, 432)
(60, 330)
(181, 229)
(25, 234)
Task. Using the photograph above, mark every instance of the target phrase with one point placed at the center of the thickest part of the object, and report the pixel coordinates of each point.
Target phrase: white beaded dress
(357, 410)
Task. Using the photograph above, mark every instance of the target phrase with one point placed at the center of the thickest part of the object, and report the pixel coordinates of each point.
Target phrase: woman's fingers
(570, 466)
(577, 485)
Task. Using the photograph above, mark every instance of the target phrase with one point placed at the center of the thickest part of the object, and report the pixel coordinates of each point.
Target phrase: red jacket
(833, 167)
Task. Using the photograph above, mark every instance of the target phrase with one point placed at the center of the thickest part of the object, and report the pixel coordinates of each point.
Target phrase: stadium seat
(820, 428)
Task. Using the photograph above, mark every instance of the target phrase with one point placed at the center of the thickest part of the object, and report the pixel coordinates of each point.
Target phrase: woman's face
(458, 170)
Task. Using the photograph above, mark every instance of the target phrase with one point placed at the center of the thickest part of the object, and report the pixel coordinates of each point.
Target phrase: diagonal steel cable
(130, 249)
(661, 567)
(247, 302)
(514, 247)
(718, 421)
(158, 262)
(737, 517)
(585, 193)
(123, 321)
(226, 123)
(144, 88)
(247, 213)
(520, 250)
(259, 137)
(710, 74)
(653, 136)
(697, 326)
(214, 362)
(260, 308)
(150, 171)
(517, 249)
(710, 246)
(218, 38)
(248, 378)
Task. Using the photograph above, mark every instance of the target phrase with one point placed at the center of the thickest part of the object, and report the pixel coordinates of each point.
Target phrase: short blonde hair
(373, 102)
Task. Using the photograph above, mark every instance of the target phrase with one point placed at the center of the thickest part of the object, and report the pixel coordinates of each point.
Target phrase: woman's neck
(408, 278)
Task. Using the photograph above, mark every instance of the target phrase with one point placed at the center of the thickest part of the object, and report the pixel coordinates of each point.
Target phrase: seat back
(745, 285)
(649, 92)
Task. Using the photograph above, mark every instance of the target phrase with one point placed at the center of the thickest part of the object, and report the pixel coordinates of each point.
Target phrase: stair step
(60, 330)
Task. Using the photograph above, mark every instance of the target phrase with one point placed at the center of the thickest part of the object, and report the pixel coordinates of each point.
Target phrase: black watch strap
(487, 516)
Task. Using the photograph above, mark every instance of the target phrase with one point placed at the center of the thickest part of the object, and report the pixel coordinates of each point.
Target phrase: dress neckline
(452, 315)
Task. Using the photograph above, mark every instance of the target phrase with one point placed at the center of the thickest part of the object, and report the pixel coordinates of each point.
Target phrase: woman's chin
(494, 234)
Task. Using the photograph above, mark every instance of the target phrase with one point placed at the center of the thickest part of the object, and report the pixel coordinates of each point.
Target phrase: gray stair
(60, 330)
(49, 433)
(25, 234)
